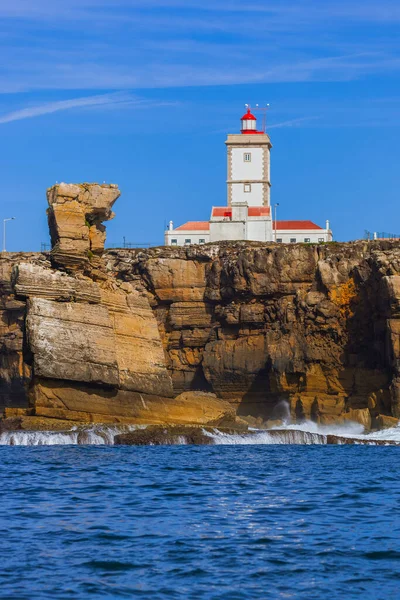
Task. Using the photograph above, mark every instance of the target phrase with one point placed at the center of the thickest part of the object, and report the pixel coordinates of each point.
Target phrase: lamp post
(4, 231)
(275, 226)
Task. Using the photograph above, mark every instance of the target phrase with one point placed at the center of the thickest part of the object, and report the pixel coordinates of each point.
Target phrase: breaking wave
(307, 433)
(95, 436)
(276, 436)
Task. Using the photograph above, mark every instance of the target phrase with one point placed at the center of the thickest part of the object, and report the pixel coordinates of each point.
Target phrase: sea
(231, 521)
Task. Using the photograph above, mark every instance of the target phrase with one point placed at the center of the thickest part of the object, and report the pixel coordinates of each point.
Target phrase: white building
(247, 215)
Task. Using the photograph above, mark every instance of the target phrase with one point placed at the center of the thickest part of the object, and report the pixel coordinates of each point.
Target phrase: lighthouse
(248, 186)
(247, 214)
(248, 155)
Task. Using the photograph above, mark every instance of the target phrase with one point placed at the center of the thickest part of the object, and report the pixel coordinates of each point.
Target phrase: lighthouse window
(292, 240)
(188, 241)
(202, 241)
(174, 242)
(247, 157)
(247, 187)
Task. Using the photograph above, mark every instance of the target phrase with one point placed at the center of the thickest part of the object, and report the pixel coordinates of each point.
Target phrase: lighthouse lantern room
(249, 123)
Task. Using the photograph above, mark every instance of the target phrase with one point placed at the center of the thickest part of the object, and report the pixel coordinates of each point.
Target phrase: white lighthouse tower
(249, 164)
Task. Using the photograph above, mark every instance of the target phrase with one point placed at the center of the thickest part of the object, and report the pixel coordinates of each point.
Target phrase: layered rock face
(79, 344)
(15, 372)
(197, 334)
(266, 327)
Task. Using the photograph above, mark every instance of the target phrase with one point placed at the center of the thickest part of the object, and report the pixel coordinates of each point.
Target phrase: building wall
(313, 236)
(182, 236)
(254, 229)
(257, 169)
(253, 198)
(247, 171)
(227, 230)
(239, 211)
(259, 230)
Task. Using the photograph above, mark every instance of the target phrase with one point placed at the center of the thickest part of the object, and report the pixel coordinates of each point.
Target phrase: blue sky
(142, 93)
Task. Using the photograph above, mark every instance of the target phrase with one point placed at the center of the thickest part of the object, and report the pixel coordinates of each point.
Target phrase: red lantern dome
(249, 123)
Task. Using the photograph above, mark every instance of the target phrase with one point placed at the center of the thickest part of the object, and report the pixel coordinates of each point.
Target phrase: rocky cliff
(189, 335)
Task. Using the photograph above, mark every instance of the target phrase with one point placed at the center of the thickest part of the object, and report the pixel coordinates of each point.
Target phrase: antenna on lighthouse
(265, 118)
(262, 109)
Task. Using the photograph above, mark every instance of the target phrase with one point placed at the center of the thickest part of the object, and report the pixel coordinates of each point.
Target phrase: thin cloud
(181, 43)
(292, 122)
(52, 107)
(105, 101)
(158, 75)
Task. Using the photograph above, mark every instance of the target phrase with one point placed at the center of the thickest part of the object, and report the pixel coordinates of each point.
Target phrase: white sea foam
(95, 435)
(348, 429)
(283, 436)
(305, 433)
(392, 434)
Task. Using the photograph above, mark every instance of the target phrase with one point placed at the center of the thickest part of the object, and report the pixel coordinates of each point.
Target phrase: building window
(174, 242)
(202, 241)
(279, 240)
(307, 240)
(247, 187)
(321, 240)
(188, 241)
(292, 240)
(247, 157)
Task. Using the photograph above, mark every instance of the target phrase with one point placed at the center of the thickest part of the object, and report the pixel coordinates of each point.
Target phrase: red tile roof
(253, 211)
(194, 226)
(221, 211)
(281, 225)
(259, 211)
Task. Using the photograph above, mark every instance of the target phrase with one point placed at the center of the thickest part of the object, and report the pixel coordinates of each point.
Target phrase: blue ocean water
(207, 522)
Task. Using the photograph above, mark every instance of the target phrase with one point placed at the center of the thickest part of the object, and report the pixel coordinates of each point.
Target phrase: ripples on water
(210, 522)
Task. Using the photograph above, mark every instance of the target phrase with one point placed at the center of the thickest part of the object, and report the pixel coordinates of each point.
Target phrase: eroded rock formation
(193, 335)
(76, 214)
